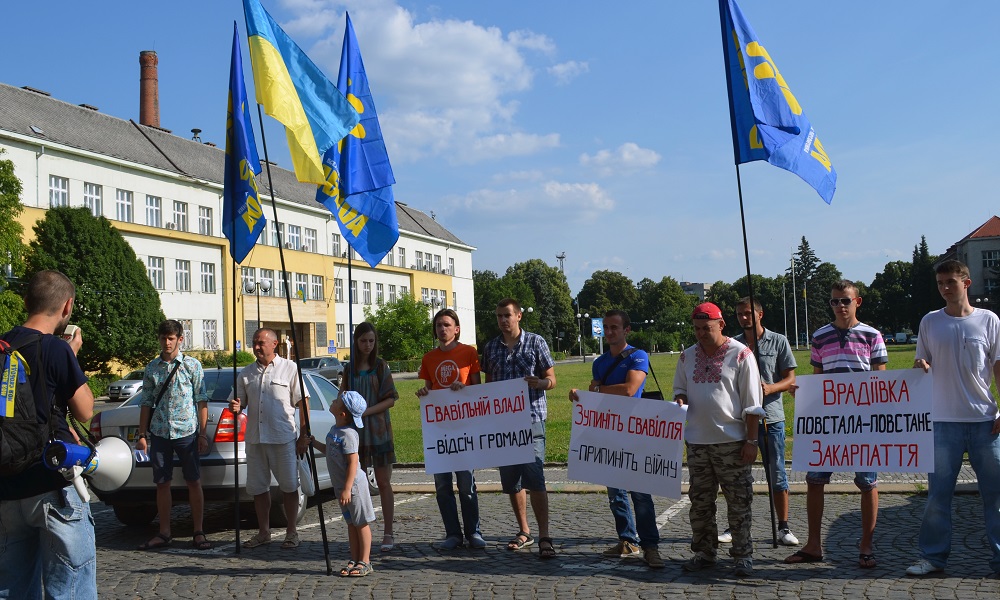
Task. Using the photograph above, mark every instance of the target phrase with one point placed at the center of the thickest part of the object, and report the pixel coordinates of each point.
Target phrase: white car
(127, 386)
(135, 502)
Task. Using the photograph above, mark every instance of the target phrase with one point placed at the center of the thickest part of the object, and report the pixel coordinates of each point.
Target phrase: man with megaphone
(46, 529)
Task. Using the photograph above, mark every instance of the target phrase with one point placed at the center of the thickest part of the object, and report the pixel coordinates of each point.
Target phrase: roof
(990, 228)
(36, 115)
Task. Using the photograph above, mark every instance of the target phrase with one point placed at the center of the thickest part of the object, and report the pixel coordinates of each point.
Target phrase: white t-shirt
(961, 351)
(270, 394)
(720, 389)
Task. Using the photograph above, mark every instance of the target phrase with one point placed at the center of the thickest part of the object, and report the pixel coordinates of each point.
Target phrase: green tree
(768, 292)
(11, 247)
(888, 299)
(489, 289)
(924, 296)
(805, 261)
(552, 308)
(606, 290)
(116, 305)
(404, 328)
(818, 296)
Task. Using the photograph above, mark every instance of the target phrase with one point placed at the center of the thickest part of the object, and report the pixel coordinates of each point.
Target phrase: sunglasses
(841, 301)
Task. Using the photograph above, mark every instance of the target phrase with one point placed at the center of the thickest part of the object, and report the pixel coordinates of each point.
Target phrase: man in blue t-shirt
(622, 371)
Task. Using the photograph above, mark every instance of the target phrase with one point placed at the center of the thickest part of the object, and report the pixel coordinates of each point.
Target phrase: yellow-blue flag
(358, 173)
(242, 217)
(768, 122)
(293, 90)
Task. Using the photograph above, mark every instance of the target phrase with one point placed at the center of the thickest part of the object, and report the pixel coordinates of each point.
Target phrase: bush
(99, 382)
(219, 358)
(558, 356)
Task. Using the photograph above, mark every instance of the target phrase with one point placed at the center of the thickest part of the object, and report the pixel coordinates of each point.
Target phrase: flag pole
(295, 342)
(236, 417)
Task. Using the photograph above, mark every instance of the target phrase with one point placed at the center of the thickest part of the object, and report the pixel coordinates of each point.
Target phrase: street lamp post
(652, 340)
(255, 287)
(579, 333)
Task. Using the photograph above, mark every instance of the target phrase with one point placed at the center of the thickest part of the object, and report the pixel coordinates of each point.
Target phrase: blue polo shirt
(637, 361)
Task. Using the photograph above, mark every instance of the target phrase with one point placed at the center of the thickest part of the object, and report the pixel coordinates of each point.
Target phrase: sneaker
(697, 563)
(652, 557)
(476, 541)
(744, 567)
(924, 567)
(726, 537)
(451, 542)
(623, 549)
(787, 538)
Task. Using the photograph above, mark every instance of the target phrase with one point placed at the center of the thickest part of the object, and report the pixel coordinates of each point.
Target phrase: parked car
(327, 366)
(135, 502)
(126, 387)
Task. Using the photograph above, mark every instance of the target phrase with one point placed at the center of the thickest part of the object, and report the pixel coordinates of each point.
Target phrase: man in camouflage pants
(717, 379)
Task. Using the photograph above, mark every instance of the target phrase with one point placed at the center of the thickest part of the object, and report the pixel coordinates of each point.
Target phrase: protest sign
(864, 421)
(633, 444)
(477, 427)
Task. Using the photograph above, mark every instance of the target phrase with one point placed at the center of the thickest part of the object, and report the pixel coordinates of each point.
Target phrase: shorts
(359, 511)
(865, 480)
(529, 476)
(265, 459)
(161, 457)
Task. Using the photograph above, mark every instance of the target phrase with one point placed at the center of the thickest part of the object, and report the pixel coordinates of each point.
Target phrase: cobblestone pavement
(581, 526)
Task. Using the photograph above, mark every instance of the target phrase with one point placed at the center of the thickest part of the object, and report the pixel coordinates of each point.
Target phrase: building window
(316, 290)
(454, 300)
(335, 245)
(93, 198)
(309, 244)
(153, 211)
(404, 291)
(210, 333)
(123, 206)
(277, 233)
(182, 270)
(267, 281)
(154, 268)
(437, 263)
(451, 267)
(249, 275)
(425, 296)
(401, 253)
(208, 278)
(188, 341)
(294, 237)
(58, 191)
(204, 220)
(283, 279)
(991, 259)
(338, 290)
(392, 293)
(379, 293)
(302, 286)
(340, 336)
(367, 292)
(263, 236)
(992, 286)
(420, 259)
(389, 260)
(180, 216)
(354, 292)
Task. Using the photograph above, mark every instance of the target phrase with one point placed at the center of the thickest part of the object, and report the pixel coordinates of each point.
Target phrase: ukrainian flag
(293, 90)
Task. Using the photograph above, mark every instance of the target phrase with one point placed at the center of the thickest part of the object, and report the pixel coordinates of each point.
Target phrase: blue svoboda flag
(242, 217)
(358, 174)
(293, 90)
(768, 122)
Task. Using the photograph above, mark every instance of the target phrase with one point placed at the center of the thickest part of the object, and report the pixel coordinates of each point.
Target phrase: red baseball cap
(706, 310)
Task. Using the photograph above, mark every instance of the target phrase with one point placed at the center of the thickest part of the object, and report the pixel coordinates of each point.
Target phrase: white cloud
(627, 158)
(527, 175)
(567, 71)
(541, 204)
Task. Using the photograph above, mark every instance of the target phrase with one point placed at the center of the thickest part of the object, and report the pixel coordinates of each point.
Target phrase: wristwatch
(597, 389)
(753, 442)
(142, 436)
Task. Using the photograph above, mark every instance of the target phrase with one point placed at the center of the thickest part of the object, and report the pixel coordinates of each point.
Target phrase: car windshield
(136, 375)
(310, 363)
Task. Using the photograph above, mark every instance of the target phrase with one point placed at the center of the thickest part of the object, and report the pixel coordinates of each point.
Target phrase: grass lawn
(406, 413)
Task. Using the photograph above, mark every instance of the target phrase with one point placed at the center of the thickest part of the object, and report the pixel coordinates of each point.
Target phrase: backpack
(22, 437)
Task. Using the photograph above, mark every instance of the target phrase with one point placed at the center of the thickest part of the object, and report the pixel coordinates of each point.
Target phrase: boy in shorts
(349, 481)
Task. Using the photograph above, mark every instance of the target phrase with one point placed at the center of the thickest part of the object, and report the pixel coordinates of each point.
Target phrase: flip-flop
(867, 561)
(517, 543)
(803, 557)
(204, 544)
(165, 541)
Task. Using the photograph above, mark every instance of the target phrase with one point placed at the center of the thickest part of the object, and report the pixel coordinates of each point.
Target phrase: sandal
(867, 561)
(360, 569)
(165, 541)
(261, 539)
(204, 544)
(387, 547)
(347, 569)
(803, 557)
(545, 548)
(517, 543)
(291, 541)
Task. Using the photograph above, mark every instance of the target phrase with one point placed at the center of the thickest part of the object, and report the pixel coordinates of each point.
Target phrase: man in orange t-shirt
(453, 365)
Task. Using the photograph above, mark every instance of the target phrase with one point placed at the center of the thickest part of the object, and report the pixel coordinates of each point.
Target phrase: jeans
(648, 535)
(775, 444)
(449, 510)
(951, 440)
(47, 541)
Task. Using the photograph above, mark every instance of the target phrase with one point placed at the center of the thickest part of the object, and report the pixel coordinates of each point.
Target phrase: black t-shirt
(63, 377)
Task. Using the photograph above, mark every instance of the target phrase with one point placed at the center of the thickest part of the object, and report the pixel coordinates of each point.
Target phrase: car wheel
(372, 482)
(277, 515)
(135, 515)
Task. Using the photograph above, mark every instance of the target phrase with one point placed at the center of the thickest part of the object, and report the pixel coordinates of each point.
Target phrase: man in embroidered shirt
(622, 371)
(176, 426)
(518, 354)
(269, 389)
(717, 379)
(843, 346)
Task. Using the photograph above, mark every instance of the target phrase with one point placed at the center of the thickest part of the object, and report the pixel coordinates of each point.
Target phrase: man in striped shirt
(843, 346)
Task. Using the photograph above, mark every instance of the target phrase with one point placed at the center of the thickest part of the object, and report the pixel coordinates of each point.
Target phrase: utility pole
(561, 257)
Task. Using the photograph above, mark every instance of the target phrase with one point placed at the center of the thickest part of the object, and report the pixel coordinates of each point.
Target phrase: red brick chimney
(149, 89)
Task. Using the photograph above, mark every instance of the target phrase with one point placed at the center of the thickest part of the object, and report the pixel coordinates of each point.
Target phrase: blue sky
(533, 128)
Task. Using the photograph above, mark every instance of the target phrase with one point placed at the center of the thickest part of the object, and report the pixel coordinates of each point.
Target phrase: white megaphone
(108, 467)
